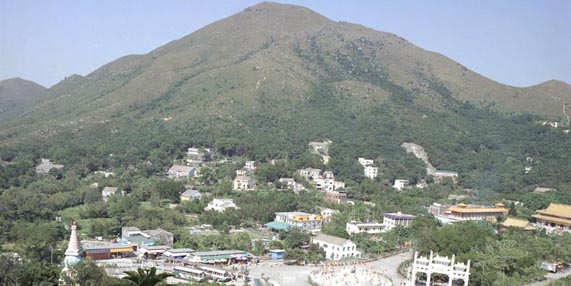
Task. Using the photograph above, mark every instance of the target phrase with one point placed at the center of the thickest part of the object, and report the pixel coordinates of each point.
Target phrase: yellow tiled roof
(477, 210)
(514, 222)
(553, 219)
(559, 210)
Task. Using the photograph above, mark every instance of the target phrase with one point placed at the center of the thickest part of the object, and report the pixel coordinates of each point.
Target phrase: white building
(364, 227)
(250, 165)
(110, 191)
(400, 184)
(241, 172)
(328, 185)
(309, 174)
(327, 213)
(45, 166)
(301, 220)
(392, 220)
(366, 162)
(180, 171)
(291, 184)
(371, 172)
(336, 248)
(220, 205)
(321, 148)
(243, 183)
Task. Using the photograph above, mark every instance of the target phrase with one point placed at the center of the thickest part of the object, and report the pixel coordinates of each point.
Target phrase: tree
(87, 273)
(146, 277)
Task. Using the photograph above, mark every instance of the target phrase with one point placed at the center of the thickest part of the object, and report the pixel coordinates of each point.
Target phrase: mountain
(16, 91)
(267, 80)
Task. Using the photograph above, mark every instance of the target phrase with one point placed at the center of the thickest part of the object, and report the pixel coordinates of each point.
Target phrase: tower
(72, 254)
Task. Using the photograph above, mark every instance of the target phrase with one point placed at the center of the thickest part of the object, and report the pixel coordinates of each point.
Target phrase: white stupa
(72, 254)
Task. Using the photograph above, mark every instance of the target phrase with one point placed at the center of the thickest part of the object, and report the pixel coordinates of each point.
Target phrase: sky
(515, 42)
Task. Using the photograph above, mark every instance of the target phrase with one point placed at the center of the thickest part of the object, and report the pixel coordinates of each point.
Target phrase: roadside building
(107, 251)
(392, 220)
(152, 252)
(176, 254)
(277, 253)
(300, 220)
(336, 248)
(354, 227)
(225, 257)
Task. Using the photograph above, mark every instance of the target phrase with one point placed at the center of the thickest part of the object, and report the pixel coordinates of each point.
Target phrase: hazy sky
(520, 43)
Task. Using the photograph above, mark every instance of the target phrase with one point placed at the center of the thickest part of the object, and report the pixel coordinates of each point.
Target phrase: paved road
(550, 277)
(286, 275)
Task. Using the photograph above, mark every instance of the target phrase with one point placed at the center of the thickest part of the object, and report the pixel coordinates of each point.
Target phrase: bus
(188, 273)
(218, 275)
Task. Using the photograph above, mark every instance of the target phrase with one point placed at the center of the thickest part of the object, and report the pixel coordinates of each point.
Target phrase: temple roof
(559, 210)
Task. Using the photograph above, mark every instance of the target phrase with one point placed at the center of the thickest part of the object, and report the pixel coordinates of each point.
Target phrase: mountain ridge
(269, 36)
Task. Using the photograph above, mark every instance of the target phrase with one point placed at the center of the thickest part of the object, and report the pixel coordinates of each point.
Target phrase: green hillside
(264, 82)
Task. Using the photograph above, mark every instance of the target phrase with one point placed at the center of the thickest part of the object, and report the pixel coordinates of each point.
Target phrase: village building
(110, 191)
(176, 254)
(108, 251)
(335, 197)
(243, 183)
(354, 227)
(328, 185)
(291, 184)
(518, 223)
(542, 190)
(250, 165)
(220, 205)
(371, 172)
(140, 238)
(327, 213)
(190, 195)
(309, 174)
(241, 172)
(300, 220)
(423, 268)
(321, 148)
(181, 171)
(392, 220)
(440, 175)
(105, 173)
(45, 166)
(277, 253)
(463, 212)
(152, 252)
(400, 184)
(556, 219)
(365, 162)
(336, 248)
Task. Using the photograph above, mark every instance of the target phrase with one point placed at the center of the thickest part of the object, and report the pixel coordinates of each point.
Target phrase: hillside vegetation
(269, 79)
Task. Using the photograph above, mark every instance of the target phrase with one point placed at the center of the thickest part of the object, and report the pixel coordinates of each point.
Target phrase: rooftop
(331, 239)
(521, 223)
(558, 210)
(398, 216)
